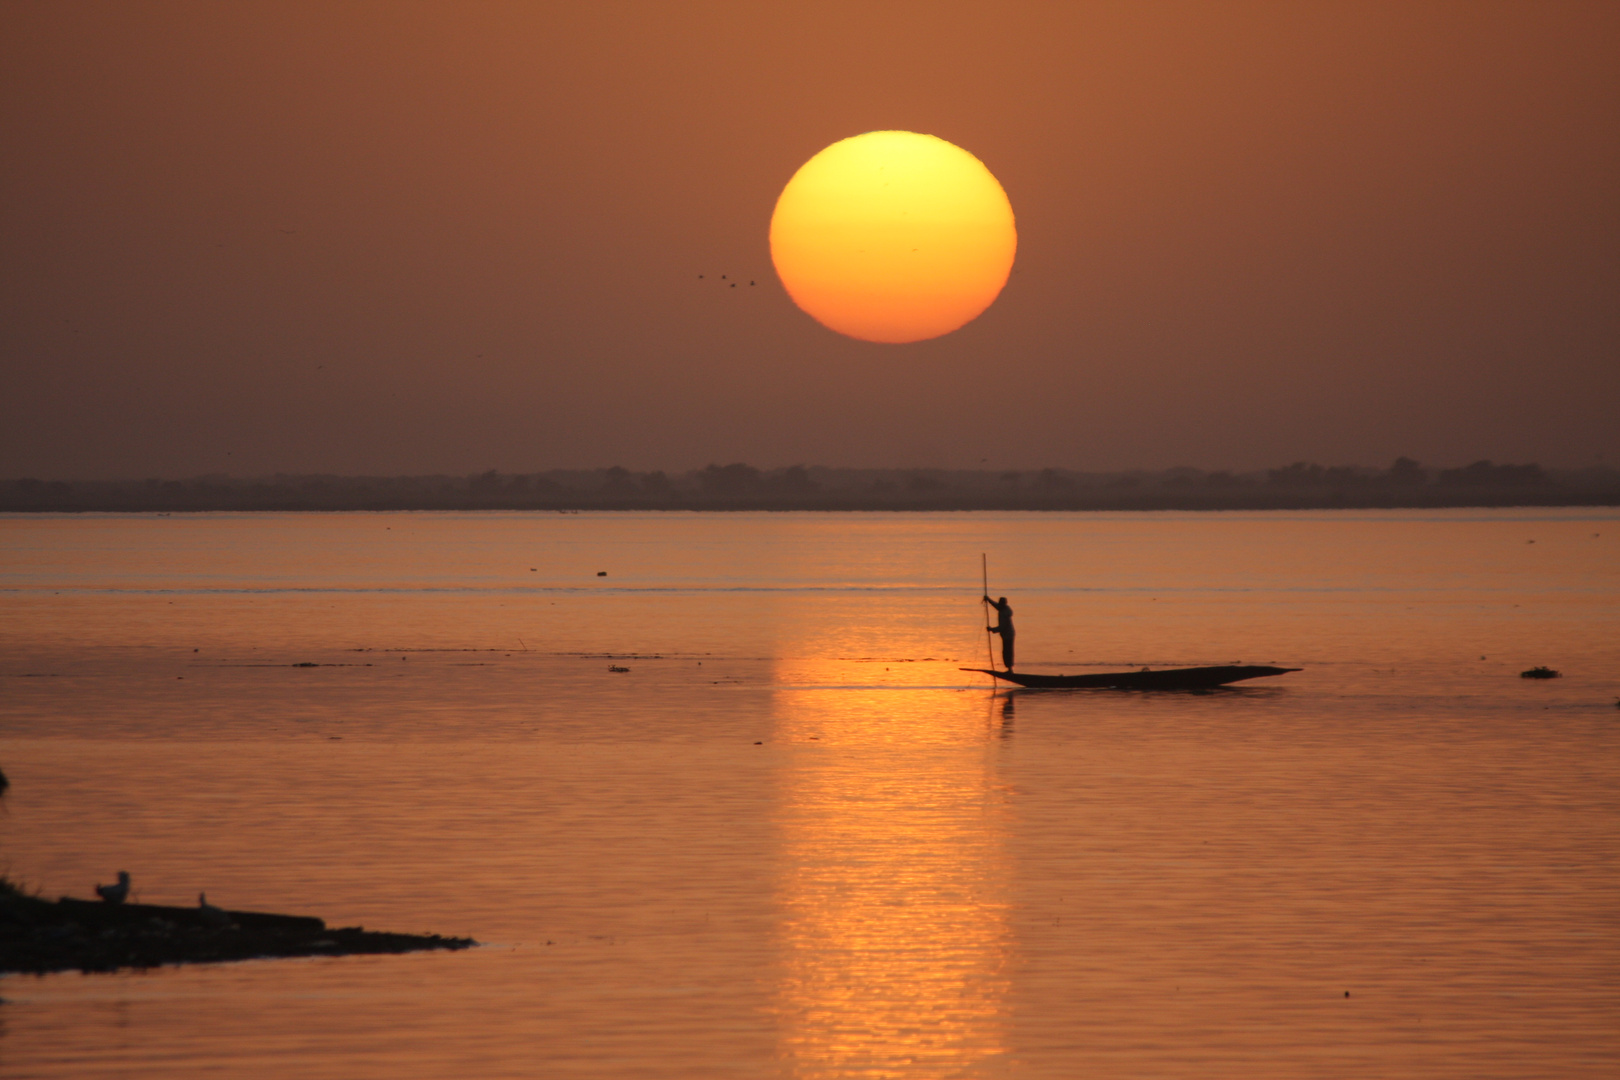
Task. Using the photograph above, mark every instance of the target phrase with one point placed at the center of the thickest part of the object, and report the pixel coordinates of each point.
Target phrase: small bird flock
(117, 894)
(724, 279)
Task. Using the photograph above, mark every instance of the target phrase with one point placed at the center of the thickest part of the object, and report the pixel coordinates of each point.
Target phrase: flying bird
(115, 894)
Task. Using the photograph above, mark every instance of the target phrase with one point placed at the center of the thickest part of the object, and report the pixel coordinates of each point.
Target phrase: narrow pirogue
(1190, 678)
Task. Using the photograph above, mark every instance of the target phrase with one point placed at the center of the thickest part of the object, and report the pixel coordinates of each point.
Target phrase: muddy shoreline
(39, 936)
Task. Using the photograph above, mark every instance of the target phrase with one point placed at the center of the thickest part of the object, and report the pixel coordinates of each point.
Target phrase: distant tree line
(1408, 473)
(1301, 485)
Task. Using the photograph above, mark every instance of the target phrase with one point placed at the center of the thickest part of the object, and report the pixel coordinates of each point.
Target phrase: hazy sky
(446, 237)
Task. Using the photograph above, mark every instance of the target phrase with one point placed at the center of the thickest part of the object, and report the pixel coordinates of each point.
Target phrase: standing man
(1004, 627)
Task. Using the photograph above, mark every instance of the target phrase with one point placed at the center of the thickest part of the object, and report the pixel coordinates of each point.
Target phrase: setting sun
(893, 236)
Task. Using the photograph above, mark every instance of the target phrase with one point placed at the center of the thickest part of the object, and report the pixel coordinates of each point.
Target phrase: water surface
(794, 840)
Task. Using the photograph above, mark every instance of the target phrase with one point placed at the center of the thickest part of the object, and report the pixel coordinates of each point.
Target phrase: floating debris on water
(1541, 673)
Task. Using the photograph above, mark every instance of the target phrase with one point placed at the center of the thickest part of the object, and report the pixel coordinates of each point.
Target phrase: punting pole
(984, 605)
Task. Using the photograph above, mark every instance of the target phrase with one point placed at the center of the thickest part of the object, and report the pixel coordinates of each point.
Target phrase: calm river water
(794, 840)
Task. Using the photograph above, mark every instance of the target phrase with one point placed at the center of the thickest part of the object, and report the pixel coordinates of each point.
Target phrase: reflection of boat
(1187, 678)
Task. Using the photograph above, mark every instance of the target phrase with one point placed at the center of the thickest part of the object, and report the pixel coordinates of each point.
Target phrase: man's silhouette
(1004, 627)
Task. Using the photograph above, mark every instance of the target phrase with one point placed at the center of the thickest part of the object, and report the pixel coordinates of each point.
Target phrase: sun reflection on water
(894, 889)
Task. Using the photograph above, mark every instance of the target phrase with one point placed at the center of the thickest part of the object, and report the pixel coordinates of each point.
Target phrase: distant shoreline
(1406, 485)
(827, 507)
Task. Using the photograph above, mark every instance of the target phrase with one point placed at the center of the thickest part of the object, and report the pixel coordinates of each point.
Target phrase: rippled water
(794, 840)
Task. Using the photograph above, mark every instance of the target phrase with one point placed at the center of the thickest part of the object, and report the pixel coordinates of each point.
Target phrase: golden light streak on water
(893, 883)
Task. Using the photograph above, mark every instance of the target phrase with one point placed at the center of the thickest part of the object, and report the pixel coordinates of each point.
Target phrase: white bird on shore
(115, 894)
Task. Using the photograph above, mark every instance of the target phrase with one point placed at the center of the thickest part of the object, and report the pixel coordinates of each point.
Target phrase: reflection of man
(1004, 627)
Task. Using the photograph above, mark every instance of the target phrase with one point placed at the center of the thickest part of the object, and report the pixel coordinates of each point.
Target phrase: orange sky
(412, 237)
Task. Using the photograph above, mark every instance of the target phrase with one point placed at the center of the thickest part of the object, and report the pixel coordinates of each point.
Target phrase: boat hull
(1193, 678)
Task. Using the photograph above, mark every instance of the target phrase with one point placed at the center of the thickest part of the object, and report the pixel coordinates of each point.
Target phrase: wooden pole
(984, 603)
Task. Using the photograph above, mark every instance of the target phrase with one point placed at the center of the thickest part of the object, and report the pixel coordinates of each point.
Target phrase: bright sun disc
(893, 236)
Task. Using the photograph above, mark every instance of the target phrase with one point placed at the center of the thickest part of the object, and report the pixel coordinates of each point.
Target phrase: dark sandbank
(38, 936)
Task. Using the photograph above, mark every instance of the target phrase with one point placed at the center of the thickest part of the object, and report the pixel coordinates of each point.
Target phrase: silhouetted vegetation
(1485, 474)
(738, 486)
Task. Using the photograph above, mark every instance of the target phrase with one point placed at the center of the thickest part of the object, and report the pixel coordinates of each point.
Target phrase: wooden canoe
(1190, 678)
